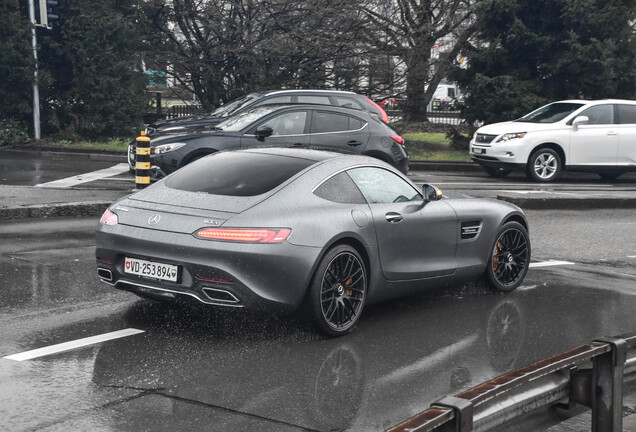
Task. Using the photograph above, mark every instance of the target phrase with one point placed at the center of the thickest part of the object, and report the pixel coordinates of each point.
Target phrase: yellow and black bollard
(142, 165)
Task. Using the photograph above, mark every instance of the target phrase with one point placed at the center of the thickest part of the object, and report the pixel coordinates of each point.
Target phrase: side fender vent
(471, 229)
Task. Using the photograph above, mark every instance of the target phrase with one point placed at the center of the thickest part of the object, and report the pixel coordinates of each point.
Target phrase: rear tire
(338, 291)
(509, 257)
(544, 165)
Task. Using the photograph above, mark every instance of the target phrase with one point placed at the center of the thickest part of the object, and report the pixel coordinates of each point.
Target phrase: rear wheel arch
(379, 155)
(350, 241)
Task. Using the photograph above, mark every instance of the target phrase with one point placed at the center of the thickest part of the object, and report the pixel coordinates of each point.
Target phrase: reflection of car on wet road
(285, 228)
(367, 381)
(575, 135)
(332, 128)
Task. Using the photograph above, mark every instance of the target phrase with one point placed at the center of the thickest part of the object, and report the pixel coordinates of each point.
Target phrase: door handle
(297, 145)
(611, 133)
(393, 217)
(354, 143)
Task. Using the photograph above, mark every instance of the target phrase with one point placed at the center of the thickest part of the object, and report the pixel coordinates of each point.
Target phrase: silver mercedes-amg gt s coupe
(291, 228)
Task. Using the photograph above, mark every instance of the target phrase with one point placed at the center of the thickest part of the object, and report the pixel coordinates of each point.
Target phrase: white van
(577, 135)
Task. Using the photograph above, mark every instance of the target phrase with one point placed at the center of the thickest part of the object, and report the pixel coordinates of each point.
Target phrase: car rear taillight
(398, 139)
(383, 114)
(109, 218)
(247, 235)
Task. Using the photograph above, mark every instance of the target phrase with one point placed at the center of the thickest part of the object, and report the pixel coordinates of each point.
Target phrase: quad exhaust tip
(105, 274)
(220, 295)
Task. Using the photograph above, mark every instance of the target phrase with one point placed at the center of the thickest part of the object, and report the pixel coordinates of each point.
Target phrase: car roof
(301, 153)
(272, 92)
(596, 101)
(304, 105)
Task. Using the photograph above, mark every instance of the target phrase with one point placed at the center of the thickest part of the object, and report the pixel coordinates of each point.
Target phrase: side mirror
(579, 121)
(431, 193)
(263, 132)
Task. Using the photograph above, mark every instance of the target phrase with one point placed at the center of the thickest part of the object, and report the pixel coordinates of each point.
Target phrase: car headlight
(511, 136)
(165, 148)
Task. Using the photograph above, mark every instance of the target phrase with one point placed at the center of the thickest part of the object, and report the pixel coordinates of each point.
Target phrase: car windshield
(241, 120)
(237, 173)
(236, 104)
(551, 113)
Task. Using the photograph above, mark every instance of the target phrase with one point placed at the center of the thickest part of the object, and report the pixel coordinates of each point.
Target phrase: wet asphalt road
(28, 169)
(201, 369)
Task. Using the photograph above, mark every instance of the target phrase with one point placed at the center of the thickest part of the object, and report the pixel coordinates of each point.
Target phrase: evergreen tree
(531, 52)
(91, 56)
(16, 67)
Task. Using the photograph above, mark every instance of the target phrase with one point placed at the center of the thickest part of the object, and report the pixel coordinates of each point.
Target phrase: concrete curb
(443, 166)
(94, 155)
(568, 203)
(78, 209)
(96, 208)
(121, 156)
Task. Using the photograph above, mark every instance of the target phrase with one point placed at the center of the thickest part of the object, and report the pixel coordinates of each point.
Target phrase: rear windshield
(551, 113)
(237, 173)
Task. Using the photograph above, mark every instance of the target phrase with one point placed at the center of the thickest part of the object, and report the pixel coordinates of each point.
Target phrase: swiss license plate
(151, 269)
(479, 151)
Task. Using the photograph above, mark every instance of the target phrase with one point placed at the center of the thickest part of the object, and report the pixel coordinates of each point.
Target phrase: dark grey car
(319, 97)
(282, 228)
(315, 126)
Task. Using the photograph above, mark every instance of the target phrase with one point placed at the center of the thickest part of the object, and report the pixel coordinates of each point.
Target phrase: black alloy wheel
(509, 257)
(338, 291)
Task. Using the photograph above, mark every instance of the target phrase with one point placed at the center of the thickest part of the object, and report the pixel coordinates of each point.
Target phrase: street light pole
(36, 92)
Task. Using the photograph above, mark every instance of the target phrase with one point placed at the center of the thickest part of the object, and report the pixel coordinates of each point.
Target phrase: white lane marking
(527, 287)
(66, 346)
(85, 178)
(550, 263)
(631, 256)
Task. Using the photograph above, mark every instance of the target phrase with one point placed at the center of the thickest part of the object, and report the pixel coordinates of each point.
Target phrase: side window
(600, 114)
(347, 102)
(626, 114)
(329, 122)
(291, 123)
(341, 189)
(274, 100)
(355, 123)
(382, 186)
(318, 100)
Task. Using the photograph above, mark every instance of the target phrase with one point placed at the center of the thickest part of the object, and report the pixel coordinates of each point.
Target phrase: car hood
(165, 138)
(516, 126)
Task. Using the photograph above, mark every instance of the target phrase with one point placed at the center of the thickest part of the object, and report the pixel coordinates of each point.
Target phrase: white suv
(577, 135)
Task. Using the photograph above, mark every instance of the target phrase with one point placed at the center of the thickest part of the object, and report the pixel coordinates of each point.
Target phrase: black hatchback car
(319, 97)
(315, 126)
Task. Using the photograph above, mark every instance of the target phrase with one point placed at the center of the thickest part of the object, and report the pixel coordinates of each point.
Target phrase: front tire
(509, 257)
(544, 165)
(338, 291)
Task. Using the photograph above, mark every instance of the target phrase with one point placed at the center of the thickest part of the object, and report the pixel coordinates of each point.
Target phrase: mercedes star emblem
(154, 219)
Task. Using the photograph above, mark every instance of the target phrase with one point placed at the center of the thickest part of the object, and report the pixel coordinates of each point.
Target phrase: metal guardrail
(541, 384)
(452, 118)
(175, 111)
